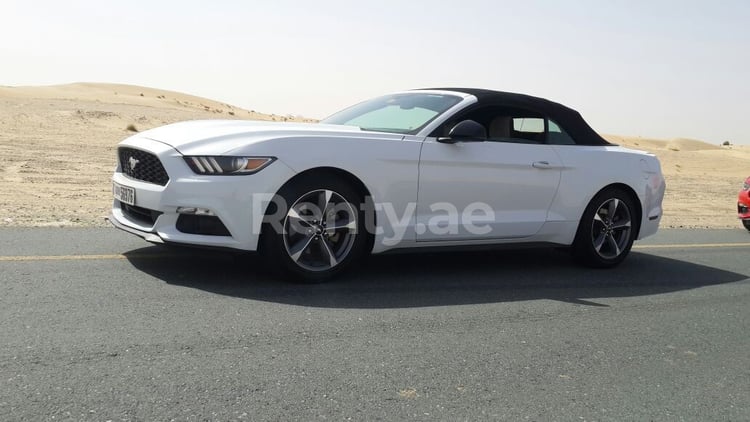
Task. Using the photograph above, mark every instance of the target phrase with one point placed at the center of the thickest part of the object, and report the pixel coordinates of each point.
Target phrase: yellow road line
(22, 258)
(78, 257)
(60, 257)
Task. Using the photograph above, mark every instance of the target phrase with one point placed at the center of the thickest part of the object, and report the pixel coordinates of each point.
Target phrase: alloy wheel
(611, 227)
(319, 230)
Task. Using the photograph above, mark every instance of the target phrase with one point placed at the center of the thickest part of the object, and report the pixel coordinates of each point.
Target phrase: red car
(743, 204)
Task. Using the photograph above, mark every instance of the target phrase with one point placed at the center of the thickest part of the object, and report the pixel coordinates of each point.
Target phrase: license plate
(124, 194)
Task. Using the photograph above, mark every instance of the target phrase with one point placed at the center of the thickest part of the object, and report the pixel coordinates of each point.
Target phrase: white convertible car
(416, 169)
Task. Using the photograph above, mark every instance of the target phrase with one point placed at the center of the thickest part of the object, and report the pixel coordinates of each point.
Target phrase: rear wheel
(607, 229)
(746, 223)
(318, 230)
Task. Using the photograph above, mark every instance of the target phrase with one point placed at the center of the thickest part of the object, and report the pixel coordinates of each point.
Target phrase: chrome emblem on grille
(133, 162)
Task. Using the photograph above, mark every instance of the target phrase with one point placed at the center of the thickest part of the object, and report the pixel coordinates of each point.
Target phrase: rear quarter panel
(589, 169)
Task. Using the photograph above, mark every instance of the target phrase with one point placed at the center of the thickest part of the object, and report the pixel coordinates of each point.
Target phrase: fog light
(194, 211)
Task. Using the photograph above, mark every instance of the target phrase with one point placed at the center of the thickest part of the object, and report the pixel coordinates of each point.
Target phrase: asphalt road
(98, 325)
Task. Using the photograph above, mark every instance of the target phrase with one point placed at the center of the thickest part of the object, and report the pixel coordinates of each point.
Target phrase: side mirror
(465, 131)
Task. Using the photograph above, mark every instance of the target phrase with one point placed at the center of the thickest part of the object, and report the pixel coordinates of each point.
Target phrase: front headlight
(227, 166)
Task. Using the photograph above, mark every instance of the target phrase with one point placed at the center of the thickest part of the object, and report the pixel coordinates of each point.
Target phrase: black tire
(746, 223)
(299, 245)
(604, 240)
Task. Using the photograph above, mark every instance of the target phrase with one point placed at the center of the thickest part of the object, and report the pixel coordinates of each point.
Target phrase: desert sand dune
(57, 145)
(682, 144)
(646, 144)
(650, 144)
(130, 95)
(57, 153)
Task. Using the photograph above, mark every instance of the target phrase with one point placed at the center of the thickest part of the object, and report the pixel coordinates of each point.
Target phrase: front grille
(142, 165)
(143, 215)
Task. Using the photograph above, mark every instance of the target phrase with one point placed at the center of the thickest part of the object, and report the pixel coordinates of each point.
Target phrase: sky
(663, 69)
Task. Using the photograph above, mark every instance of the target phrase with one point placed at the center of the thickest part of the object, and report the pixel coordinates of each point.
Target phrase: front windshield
(398, 113)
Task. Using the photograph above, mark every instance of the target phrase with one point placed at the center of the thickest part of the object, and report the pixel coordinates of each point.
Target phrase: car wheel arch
(336, 172)
(633, 196)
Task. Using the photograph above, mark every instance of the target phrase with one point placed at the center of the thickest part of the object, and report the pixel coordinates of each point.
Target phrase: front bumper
(149, 237)
(743, 204)
(238, 202)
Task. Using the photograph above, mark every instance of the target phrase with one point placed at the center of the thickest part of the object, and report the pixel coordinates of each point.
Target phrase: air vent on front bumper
(208, 225)
(142, 215)
(142, 165)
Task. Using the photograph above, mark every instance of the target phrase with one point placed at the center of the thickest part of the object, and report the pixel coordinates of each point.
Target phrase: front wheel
(317, 232)
(607, 229)
(746, 223)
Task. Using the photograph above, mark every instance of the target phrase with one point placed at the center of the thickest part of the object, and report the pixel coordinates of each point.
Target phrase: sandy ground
(702, 180)
(57, 145)
(57, 154)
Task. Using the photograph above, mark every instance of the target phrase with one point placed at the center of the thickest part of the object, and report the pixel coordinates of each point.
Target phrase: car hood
(218, 137)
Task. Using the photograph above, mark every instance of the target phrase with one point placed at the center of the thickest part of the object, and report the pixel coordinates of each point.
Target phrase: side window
(519, 126)
(557, 136)
(530, 128)
(512, 125)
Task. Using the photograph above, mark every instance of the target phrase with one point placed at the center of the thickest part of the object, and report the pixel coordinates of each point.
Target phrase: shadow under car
(432, 279)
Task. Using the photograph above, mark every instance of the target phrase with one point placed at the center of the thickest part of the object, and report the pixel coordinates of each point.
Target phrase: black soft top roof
(566, 117)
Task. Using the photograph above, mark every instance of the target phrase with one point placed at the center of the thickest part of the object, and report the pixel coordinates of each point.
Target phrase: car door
(496, 189)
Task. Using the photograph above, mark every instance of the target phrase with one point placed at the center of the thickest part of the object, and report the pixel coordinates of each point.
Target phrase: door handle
(541, 165)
